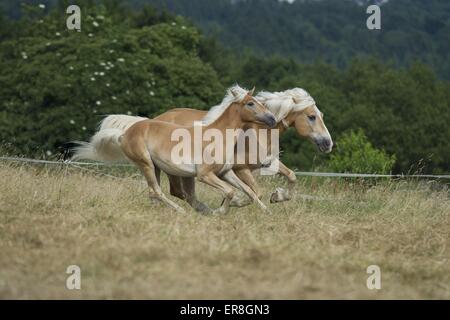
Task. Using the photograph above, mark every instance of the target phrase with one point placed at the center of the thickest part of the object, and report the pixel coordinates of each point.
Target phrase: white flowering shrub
(55, 84)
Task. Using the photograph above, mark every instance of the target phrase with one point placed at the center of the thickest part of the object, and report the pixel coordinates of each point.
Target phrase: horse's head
(251, 110)
(309, 123)
(296, 108)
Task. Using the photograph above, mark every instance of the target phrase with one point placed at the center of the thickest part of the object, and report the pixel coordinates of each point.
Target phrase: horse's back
(182, 116)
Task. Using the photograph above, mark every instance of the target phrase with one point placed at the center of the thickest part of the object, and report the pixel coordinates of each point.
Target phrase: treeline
(333, 31)
(55, 84)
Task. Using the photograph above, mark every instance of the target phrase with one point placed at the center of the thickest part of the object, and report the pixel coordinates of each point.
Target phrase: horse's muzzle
(324, 145)
(268, 119)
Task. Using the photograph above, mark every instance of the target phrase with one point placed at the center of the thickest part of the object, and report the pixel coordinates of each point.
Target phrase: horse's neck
(229, 119)
(286, 122)
(281, 126)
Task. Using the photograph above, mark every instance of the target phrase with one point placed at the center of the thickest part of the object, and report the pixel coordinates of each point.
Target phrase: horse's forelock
(282, 103)
(234, 94)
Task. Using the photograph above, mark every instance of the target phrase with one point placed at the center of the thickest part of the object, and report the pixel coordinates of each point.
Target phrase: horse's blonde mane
(215, 112)
(282, 103)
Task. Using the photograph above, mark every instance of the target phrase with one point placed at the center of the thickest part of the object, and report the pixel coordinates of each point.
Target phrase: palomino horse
(149, 145)
(292, 108)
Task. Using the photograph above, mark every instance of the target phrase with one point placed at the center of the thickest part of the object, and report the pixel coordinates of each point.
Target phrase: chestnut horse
(292, 108)
(149, 145)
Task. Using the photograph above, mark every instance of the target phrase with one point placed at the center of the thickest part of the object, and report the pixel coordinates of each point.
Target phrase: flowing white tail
(105, 144)
(119, 121)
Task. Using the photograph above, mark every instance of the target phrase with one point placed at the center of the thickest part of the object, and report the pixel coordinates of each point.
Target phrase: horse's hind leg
(148, 170)
(139, 156)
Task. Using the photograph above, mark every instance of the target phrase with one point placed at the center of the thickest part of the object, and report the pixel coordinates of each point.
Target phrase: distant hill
(330, 30)
(333, 31)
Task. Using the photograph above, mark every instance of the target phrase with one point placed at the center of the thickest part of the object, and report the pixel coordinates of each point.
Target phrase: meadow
(130, 248)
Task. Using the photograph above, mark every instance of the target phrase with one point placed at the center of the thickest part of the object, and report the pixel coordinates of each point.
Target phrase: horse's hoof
(202, 208)
(240, 202)
(179, 209)
(279, 195)
(219, 211)
(155, 200)
(264, 208)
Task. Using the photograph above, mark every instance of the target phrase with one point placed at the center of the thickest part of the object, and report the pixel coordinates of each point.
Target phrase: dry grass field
(130, 248)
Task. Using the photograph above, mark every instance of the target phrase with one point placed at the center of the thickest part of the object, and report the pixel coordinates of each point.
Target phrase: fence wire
(298, 173)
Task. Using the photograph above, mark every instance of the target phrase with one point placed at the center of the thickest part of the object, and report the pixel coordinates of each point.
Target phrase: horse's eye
(312, 118)
(251, 104)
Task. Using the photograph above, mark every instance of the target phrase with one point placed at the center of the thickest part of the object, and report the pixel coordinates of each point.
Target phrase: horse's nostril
(271, 122)
(268, 119)
(324, 144)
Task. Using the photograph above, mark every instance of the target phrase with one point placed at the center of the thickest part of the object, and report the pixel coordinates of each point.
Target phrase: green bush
(354, 153)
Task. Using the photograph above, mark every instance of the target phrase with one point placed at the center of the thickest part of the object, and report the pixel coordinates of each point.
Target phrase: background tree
(55, 84)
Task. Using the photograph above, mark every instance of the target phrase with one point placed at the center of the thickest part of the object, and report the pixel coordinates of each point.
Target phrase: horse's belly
(180, 170)
(226, 168)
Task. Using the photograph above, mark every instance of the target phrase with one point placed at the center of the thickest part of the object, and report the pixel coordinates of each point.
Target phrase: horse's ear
(234, 93)
(251, 92)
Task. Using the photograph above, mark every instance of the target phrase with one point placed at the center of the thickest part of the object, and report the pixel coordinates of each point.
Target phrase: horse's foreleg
(231, 177)
(184, 189)
(211, 179)
(280, 194)
(246, 176)
(158, 175)
(188, 184)
(176, 187)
